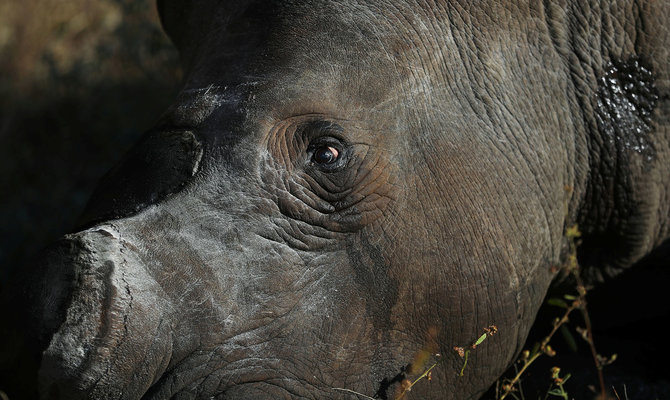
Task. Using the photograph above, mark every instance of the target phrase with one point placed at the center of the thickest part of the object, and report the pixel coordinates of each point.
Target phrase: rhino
(343, 186)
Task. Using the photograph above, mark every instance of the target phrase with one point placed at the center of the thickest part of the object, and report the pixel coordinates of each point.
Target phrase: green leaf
(556, 392)
(536, 348)
(569, 339)
(480, 340)
(569, 297)
(573, 232)
(554, 301)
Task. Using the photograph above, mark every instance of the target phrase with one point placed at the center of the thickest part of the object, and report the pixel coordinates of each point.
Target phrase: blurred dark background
(79, 82)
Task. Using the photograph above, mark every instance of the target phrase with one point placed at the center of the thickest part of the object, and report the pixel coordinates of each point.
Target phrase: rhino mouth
(237, 385)
(260, 390)
(210, 375)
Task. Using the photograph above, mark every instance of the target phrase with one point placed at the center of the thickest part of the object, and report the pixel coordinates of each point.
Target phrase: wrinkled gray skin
(225, 259)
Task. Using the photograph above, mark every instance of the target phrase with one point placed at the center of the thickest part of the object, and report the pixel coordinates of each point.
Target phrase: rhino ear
(176, 18)
(186, 22)
(169, 13)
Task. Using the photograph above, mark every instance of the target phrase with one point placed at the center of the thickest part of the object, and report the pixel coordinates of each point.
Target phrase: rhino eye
(326, 155)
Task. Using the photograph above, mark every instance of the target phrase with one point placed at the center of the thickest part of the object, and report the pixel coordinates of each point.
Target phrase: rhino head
(341, 191)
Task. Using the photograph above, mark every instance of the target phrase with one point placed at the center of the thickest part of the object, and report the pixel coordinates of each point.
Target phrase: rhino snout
(110, 342)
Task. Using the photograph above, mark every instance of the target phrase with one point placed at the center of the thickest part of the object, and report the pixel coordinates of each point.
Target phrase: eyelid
(327, 140)
(327, 137)
(316, 129)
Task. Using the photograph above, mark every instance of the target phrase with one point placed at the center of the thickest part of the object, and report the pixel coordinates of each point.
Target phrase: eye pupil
(326, 155)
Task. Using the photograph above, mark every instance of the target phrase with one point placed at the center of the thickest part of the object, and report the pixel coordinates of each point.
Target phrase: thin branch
(544, 348)
(589, 336)
(409, 387)
(354, 393)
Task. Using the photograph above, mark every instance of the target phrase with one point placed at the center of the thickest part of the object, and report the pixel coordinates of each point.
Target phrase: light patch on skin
(196, 105)
(196, 163)
(107, 229)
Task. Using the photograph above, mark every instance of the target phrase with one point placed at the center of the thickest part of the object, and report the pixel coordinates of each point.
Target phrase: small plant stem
(572, 267)
(354, 393)
(589, 336)
(408, 388)
(425, 374)
(517, 377)
(543, 347)
(465, 362)
(490, 331)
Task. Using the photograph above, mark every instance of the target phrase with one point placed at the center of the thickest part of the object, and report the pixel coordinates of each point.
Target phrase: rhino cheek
(113, 341)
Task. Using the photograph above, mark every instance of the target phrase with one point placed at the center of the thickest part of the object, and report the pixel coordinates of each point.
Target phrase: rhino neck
(622, 133)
